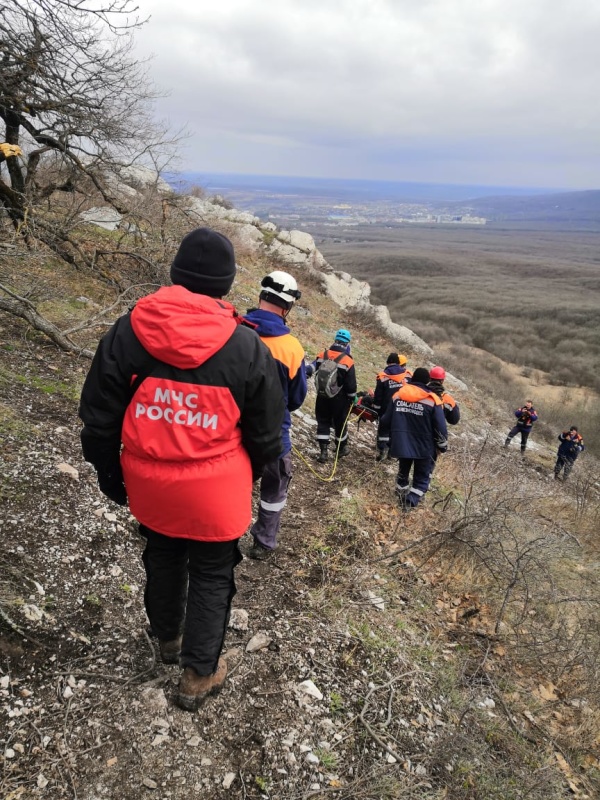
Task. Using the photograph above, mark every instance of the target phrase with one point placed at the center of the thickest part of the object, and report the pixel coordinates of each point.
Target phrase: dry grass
(489, 588)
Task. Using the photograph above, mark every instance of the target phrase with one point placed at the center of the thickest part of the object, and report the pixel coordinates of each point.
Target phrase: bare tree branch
(25, 309)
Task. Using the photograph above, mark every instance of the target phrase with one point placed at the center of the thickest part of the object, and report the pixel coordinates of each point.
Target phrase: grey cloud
(359, 73)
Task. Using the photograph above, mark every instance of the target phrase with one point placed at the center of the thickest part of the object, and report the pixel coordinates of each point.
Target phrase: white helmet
(280, 288)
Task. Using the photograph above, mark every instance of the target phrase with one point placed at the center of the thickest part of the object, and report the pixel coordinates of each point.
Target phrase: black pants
(189, 589)
(332, 412)
(564, 461)
(524, 436)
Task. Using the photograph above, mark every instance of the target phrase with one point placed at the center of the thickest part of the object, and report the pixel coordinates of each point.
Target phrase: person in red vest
(182, 408)
(388, 382)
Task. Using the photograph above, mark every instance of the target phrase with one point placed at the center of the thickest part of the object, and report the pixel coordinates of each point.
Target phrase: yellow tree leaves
(9, 150)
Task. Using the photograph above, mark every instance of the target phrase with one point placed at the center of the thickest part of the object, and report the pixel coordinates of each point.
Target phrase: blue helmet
(343, 336)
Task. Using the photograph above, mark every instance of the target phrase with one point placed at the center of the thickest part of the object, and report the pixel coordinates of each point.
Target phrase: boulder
(346, 291)
(402, 336)
(105, 217)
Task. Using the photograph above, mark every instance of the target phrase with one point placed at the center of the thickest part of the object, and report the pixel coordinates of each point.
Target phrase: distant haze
(348, 189)
(481, 92)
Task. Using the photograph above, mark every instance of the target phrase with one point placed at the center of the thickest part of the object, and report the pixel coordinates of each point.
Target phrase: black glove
(111, 484)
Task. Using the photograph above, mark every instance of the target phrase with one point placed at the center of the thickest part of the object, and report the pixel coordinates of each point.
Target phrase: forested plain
(531, 298)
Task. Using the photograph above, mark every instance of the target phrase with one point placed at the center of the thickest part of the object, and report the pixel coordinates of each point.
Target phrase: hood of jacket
(413, 392)
(266, 323)
(181, 328)
(394, 369)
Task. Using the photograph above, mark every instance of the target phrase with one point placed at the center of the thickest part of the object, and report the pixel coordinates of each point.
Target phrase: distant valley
(522, 283)
(304, 202)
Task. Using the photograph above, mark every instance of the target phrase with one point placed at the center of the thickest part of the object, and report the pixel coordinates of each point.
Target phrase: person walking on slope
(195, 400)
(335, 380)
(415, 424)
(571, 444)
(526, 416)
(437, 376)
(278, 294)
(388, 382)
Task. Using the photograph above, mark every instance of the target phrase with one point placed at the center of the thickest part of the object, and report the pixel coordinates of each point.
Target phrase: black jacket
(187, 390)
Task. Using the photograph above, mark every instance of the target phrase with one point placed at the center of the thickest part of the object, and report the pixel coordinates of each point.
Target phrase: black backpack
(326, 377)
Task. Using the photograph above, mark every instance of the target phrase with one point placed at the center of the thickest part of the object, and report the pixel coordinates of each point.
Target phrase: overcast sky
(498, 92)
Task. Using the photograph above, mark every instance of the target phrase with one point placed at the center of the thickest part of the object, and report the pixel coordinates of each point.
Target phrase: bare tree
(77, 110)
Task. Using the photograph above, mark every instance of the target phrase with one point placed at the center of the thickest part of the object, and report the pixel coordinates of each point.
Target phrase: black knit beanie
(204, 263)
(420, 375)
(393, 358)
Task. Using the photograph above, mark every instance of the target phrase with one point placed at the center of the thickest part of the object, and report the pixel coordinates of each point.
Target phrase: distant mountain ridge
(347, 189)
(563, 207)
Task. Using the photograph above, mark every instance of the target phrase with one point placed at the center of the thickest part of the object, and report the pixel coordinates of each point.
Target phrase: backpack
(326, 378)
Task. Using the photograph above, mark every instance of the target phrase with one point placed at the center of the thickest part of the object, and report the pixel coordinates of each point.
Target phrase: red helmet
(437, 373)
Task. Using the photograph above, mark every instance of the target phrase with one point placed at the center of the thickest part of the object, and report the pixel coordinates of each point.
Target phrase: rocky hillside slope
(452, 653)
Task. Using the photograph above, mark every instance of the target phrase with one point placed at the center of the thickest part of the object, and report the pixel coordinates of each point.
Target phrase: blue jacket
(525, 418)
(414, 422)
(571, 444)
(451, 407)
(388, 382)
(289, 357)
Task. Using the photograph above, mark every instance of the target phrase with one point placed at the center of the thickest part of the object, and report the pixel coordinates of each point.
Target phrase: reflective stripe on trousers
(422, 469)
(273, 496)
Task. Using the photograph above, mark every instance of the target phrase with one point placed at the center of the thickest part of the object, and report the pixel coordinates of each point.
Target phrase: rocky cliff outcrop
(297, 249)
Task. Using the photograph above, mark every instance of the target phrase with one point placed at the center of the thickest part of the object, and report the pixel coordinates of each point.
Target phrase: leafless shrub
(523, 556)
(76, 107)
(491, 763)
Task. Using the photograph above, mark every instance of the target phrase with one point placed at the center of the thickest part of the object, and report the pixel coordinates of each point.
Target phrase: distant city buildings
(284, 209)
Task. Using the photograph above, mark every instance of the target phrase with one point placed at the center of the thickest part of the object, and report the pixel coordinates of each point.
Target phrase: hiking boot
(323, 455)
(381, 455)
(259, 553)
(194, 688)
(170, 651)
(344, 450)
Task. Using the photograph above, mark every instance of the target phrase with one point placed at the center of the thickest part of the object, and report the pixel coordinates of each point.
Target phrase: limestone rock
(259, 641)
(228, 780)
(238, 619)
(375, 599)
(105, 217)
(298, 239)
(154, 700)
(308, 688)
(345, 290)
(68, 470)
